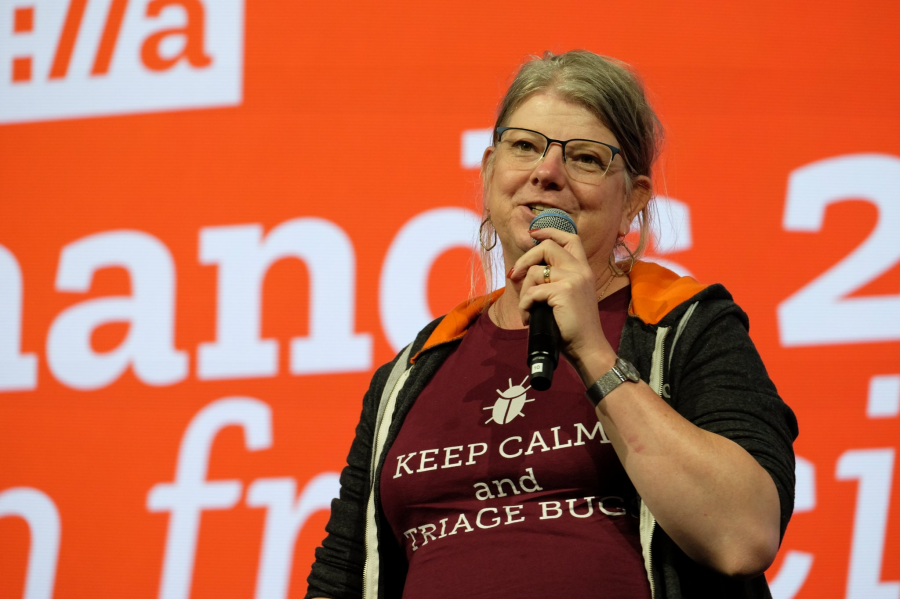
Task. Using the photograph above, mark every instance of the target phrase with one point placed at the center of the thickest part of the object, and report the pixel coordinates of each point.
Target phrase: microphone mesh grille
(553, 218)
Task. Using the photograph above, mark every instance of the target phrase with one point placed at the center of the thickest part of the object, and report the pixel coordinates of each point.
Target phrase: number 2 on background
(820, 313)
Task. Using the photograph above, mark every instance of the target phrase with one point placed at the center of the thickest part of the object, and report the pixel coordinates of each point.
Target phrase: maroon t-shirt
(497, 490)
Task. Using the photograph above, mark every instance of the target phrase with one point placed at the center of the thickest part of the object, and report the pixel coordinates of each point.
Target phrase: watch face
(628, 370)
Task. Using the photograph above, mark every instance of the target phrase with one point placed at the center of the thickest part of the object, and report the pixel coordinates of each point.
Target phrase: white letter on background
(18, 371)
(148, 348)
(403, 289)
(40, 513)
(884, 396)
(244, 258)
(190, 494)
(811, 190)
(874, 469)
(284, 520)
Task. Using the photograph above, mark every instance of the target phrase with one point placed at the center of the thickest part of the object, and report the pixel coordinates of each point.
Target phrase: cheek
(501, 188)
(508, 181)
(604, 222)
(606, 204)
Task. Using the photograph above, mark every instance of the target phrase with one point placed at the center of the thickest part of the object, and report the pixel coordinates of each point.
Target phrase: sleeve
(719, 383)
(337, 570)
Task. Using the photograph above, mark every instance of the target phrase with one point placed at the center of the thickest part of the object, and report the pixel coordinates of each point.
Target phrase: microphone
(543, 332)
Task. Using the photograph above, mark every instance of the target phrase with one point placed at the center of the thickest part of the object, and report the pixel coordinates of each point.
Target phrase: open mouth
(537, 209)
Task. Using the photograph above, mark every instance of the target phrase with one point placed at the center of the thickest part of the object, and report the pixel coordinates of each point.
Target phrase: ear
(485, 159)
(487, 170)
(641, 192)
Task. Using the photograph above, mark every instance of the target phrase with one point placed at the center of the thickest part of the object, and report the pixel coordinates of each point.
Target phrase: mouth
(538, 209)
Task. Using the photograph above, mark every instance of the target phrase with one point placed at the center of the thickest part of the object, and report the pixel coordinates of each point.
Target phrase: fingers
(568, 241)
(567, 290)
(556, 248)
(561, 237)
(533, 280)
(570, 289)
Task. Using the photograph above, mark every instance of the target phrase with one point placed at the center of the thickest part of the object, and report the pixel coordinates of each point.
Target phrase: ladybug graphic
(509, 404)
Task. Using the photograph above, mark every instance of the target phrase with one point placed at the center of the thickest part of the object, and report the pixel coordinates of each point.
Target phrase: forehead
(559, 118)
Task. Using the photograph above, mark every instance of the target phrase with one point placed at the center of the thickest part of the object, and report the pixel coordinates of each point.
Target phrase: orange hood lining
(457, 321)
(655, 291)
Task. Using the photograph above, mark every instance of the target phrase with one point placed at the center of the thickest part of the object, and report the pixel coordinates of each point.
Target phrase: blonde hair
(613, 92)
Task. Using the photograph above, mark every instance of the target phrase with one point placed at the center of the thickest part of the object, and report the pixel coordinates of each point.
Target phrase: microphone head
(553, 218)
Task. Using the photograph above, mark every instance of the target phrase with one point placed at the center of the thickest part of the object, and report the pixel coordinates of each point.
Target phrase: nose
(551, 170)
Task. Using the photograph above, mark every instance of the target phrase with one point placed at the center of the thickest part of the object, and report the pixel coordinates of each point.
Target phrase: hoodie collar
(655, 291)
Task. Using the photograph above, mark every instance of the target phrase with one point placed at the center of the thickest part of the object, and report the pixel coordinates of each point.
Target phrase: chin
(525, 243)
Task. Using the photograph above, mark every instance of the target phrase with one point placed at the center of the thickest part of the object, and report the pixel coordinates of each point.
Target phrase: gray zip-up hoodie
(690, 344)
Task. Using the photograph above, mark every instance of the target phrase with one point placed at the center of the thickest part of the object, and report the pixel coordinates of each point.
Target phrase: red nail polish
(509, 274)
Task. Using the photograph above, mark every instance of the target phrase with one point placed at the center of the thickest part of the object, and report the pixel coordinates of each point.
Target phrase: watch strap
(621, 372)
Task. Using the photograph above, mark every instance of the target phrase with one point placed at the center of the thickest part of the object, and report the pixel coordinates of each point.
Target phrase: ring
(547, 274)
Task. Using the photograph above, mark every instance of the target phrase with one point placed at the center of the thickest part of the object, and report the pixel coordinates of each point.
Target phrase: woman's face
(600, 211)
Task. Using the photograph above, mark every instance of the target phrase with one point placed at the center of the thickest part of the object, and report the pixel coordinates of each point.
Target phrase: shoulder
(711, 304)
(662, 297)
(422, 337)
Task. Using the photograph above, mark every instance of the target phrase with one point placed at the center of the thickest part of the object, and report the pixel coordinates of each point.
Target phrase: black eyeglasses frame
(501, 130)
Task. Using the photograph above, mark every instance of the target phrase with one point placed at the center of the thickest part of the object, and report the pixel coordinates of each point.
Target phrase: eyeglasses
(585, 160)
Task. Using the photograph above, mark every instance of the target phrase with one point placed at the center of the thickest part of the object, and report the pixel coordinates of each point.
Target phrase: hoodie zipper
(382, 428)
(650, 562)
(660, 349)
(656, 379)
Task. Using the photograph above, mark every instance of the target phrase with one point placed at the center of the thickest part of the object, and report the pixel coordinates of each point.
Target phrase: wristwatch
(622, 371)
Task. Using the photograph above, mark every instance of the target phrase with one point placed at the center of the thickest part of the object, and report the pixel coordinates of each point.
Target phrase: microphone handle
(543, 346)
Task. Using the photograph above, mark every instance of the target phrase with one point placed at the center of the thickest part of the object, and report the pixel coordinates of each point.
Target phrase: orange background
(354, 114)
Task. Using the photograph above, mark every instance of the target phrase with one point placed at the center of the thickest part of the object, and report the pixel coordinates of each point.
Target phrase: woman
(673, 479)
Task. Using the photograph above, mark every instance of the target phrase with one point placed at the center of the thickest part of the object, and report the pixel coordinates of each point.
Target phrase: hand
(571, 292)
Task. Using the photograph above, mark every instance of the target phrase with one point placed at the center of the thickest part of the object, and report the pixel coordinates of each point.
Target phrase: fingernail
(509, 274)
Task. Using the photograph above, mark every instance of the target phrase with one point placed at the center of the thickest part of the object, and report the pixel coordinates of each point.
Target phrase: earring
(617, 271)
(481, 235)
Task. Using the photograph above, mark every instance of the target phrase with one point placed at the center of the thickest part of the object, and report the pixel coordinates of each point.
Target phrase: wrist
(621, 372)
(592, 365)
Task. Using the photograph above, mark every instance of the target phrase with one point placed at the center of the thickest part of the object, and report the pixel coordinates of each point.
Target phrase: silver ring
(547, 274)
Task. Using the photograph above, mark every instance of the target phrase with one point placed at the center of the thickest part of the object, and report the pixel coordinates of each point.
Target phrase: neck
(505, 311)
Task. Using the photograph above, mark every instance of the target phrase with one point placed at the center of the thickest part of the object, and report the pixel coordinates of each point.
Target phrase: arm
(337, 570)
(706, 491)
(707, 471)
